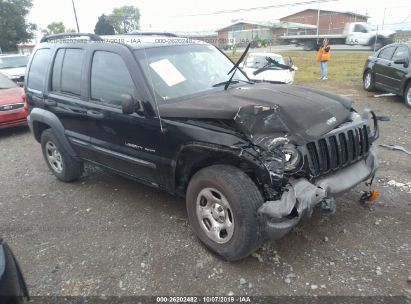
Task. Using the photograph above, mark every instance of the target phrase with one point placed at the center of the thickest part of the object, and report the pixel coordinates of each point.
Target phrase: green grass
(342, 67)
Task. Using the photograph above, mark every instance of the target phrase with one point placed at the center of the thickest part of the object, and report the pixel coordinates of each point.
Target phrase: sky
(174, 15)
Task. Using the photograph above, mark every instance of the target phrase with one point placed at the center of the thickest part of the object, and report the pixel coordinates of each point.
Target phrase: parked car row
(389, 70)
(12, 104)
(14, 67)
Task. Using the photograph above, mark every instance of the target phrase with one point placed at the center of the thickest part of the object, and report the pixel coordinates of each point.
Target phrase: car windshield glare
(6, 83)
(176, 72)
(13, 62)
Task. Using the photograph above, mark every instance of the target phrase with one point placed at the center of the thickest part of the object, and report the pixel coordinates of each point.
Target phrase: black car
(251, 159)
(389, 70)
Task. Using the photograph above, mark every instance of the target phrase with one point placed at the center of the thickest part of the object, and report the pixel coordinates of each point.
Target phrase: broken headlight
(292, 157)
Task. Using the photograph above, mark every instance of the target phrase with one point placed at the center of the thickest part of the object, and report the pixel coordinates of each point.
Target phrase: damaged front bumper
(301, 196)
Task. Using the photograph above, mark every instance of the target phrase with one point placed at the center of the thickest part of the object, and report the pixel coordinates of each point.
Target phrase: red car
(12, 104)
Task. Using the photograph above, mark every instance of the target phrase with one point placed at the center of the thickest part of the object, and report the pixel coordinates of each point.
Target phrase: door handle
(95, 114)
(389, 64)
(50, 102)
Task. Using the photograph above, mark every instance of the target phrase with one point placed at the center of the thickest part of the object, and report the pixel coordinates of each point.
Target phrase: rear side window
(400, 53)
(38, 69)
(71, 71)
(110, 78)
(386, 53)
(56, 77)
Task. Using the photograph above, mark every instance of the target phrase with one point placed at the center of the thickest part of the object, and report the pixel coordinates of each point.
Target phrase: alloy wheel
(54, 157)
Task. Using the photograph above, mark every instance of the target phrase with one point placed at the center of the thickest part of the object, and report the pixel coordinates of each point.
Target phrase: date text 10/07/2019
(204, 299)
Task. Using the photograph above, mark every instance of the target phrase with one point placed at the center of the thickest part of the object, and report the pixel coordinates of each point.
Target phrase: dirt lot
(107, 235)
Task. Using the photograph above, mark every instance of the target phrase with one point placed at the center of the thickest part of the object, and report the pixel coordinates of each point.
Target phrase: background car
(258, 68)
(389, 70)
(14, 67)
(12, 110)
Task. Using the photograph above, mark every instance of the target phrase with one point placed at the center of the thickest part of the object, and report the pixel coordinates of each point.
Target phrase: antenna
(154, 93)
(75, 16)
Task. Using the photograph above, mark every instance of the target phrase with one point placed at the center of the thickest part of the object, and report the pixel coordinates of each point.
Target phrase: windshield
(13, 62)
(258, 61)
(6, 83)
(185, 70)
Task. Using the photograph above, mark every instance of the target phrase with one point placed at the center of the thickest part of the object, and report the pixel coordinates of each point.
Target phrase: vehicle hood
(13, 95)
(300, 112)
(13, 72)
(283, 76)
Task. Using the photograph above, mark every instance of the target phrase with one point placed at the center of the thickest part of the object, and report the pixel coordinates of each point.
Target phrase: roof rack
(167, 34)
(93, 37)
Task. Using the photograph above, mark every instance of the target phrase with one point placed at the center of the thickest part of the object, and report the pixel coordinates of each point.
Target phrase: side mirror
(403, 61)
(290, 61)
(129, 105)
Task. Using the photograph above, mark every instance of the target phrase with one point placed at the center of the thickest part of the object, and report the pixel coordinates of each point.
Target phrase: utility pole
(75, 16)
(383, 19)
(318, 22)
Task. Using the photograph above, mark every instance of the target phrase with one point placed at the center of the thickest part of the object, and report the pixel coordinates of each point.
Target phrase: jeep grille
(338, 150)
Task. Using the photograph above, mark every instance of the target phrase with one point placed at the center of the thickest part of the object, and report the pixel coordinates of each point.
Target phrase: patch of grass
(342, 67)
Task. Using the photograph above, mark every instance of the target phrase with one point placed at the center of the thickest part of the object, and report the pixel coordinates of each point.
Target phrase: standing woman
(323, 55)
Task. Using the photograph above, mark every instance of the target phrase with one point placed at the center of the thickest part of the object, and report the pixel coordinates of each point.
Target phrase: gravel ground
(105, 235)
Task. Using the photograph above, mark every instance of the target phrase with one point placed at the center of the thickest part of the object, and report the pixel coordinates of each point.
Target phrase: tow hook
(369, 196)
(328, 206)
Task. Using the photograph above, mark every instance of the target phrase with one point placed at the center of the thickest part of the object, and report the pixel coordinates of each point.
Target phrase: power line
(259, 8)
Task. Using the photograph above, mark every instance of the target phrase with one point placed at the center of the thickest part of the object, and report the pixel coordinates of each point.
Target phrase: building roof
(253, 22)
(328, 11)
(196, 34)
(275, 24)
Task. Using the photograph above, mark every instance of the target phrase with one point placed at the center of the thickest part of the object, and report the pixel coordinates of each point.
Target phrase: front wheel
(368, 81)
(407, 95)
(222, 203)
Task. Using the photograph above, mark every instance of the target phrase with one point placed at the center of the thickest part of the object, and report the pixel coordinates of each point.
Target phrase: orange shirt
(323, 54)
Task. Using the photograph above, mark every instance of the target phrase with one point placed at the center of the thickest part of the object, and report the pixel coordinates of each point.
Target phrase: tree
(103, 26)
(13, 25)
(54, 28)
(125, 19)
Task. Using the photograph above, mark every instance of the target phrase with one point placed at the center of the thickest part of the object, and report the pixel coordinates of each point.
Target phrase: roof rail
(93, 37)
(167, 34)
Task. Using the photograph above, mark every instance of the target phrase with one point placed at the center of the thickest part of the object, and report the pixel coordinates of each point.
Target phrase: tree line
(14, 28)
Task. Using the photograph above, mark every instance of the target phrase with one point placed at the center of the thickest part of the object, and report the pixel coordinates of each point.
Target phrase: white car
(14, 67)
(269, 67)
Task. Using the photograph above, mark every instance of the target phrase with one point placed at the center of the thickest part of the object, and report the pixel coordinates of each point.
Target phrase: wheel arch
(194, 157)
(40, 120)
(407, 82)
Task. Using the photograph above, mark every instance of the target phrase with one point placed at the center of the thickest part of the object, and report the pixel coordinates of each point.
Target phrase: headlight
(292, 157)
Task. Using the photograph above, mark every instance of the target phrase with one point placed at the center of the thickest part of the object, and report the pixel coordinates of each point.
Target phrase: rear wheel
(407, 95)
(368, 81)
(60, 162)
(222, 203)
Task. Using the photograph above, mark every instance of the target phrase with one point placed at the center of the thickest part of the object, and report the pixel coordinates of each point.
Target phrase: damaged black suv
(251, 159)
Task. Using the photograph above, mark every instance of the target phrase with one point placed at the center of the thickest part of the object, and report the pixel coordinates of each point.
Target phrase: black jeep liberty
(251, 159)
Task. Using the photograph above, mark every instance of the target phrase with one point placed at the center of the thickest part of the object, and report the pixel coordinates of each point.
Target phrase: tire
(407, 95)
(59, 161)
(232, 191)
(368, 81)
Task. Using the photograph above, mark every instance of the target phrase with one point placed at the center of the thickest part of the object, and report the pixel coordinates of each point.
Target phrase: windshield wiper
(235, 67)
(232, 81)
(270, 64)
